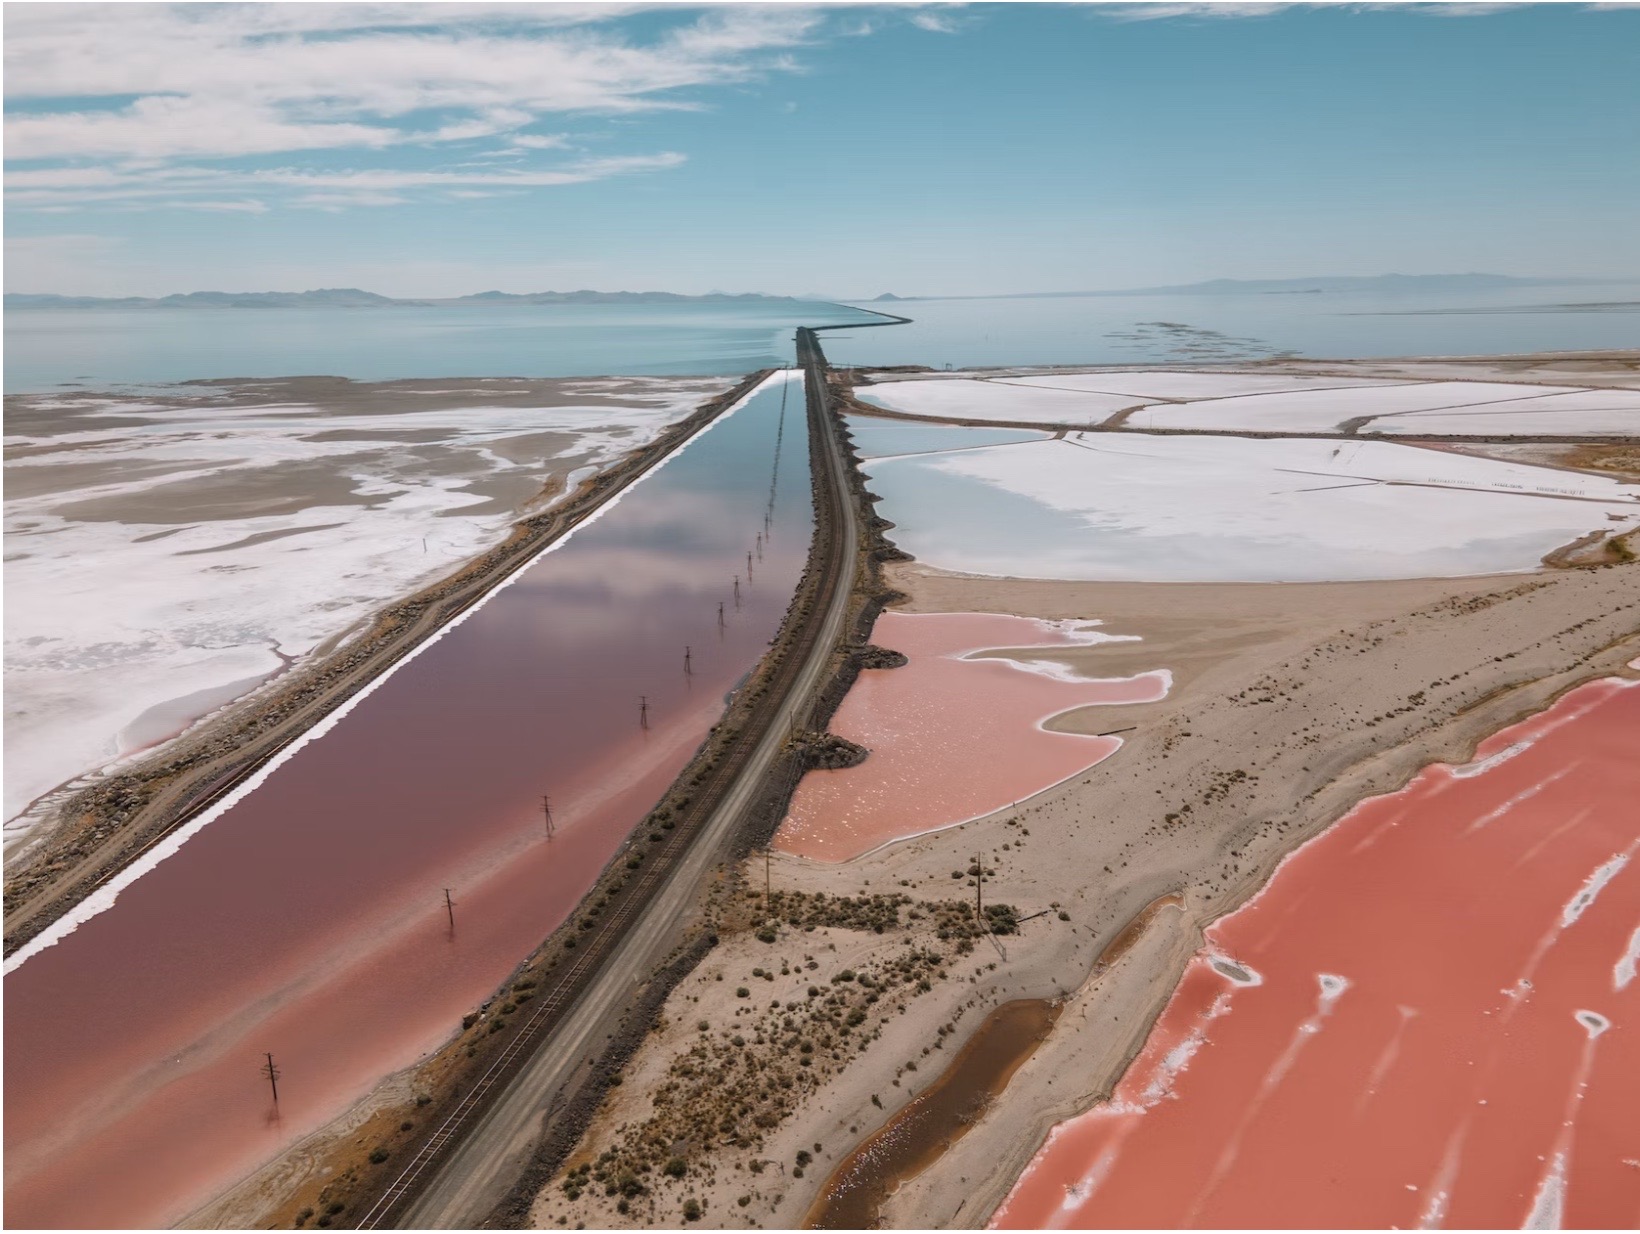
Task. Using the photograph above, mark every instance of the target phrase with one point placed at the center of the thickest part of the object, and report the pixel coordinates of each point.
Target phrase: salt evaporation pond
(954, 737)
(1426, 1018)
(309, 919)
(1223, 509)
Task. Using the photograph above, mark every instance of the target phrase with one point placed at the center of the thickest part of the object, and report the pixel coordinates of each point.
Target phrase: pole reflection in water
(309, 919)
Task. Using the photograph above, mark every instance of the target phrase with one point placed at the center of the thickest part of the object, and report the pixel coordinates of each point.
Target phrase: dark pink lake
(309, 920)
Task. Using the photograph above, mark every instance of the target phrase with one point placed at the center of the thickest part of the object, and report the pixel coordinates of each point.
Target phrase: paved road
(477, 1175)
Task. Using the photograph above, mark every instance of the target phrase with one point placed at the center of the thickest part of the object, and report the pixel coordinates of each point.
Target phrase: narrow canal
(309, 920)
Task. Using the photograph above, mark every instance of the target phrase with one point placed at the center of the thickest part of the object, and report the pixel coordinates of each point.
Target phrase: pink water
(1434, 1020)
(309, 919)
(952, 738)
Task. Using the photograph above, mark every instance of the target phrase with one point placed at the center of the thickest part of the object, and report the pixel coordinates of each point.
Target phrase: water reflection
(309, 919)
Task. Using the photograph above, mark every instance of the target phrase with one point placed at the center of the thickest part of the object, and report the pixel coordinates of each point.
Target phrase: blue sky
(441, 149)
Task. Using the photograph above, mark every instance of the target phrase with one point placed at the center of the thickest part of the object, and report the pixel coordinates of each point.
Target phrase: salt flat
(1185, 385)
(1329, 410)
(1162, 508)
(962, 399)
(166, 554)
(1273, 401)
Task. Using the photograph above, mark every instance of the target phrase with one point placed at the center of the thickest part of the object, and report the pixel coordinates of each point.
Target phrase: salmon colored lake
(953, 737)
(1429, 1017)
(308, 920)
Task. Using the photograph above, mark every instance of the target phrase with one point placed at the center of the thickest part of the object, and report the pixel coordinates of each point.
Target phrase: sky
(850, 150)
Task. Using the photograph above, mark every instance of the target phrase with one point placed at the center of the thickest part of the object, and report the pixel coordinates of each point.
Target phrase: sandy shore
(1291, 702)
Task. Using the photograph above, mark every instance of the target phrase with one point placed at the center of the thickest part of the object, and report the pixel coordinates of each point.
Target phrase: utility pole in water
(546, 811)
(450, 908)
(737, 591)
(748, 567)
(720, 614)
(272, 1072)
(643, 711)
(688, 668)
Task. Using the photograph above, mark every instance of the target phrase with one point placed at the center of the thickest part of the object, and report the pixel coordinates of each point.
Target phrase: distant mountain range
(352, 297)
(1391, 284)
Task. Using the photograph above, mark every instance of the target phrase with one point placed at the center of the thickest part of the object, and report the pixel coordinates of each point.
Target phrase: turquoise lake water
(46, 349)
(98, 348)
(1203, 328)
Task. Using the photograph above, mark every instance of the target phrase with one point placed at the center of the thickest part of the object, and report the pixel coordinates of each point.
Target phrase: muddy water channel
(921, 1133)
(309, 920)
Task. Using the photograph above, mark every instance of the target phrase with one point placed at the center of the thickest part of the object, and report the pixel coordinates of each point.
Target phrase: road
(461, 1189)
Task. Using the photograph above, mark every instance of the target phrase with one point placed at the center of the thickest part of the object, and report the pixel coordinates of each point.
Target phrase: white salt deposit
(1328, 410)
(1265, 402)
(121, 632)
(1184, 386)
(964, 399)
(1137, 506)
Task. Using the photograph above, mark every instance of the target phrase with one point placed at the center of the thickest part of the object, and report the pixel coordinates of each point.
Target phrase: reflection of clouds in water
(188, 611)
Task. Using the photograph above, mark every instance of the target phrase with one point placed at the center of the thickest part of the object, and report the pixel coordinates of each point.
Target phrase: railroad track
(454, 1176)
(552, 1003)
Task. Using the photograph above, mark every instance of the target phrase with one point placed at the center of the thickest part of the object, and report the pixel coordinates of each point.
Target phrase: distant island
(353, 297)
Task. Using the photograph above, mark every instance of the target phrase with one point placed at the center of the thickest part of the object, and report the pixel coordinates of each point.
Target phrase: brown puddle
(921, 1133)
(1123, 942)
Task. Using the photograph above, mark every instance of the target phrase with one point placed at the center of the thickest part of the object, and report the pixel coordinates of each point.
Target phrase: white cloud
(159, 97)
(530, 141)
(330, 189)
(937, 21)
(159, 127)
(247, 206)
(1188, 8)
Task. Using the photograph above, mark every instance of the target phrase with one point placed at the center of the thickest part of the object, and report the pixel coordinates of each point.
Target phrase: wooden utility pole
(643, 711)
(737, 591)
(760, 546)
(450, 908)
(748, 567)
(720, 613)
(688, 667)
(272, 1072)
(546, 811)
(979, 892)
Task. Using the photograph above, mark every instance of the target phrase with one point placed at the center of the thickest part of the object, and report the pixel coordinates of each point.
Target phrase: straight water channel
(309, 920)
